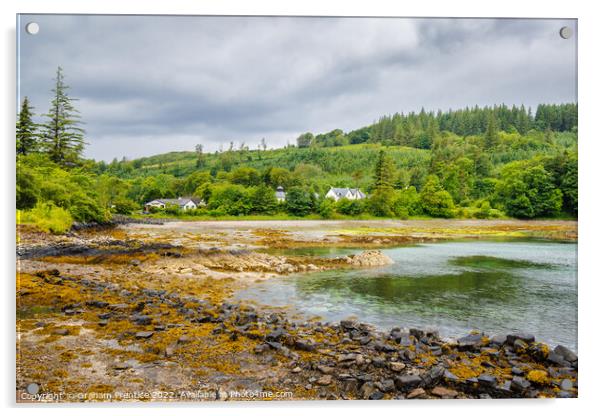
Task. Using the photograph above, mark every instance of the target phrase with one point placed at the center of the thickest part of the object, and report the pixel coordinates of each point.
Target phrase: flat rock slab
(144, 334)
(444, 392)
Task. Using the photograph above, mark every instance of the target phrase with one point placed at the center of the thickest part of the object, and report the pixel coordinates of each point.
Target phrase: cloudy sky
(152, 84)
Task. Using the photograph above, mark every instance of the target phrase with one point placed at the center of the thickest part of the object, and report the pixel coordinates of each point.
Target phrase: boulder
(369, 258)
(528, 338)
(565, 353)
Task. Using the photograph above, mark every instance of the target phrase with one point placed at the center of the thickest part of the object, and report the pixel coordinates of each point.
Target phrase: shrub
(47, 217)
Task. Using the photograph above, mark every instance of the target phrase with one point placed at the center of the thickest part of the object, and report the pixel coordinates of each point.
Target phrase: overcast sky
(149, 85)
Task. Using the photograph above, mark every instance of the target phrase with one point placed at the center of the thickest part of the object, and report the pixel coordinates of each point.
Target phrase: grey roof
(177, 201)
(341, 192)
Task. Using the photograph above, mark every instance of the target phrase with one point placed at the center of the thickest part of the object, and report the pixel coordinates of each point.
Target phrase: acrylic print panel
(295, 208)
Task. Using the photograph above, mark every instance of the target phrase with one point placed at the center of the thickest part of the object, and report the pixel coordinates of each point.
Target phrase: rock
(142, 319)
(417, 333)
(184, 339)
(144, 334)
(520, 346)
(517, 371)
(538, 376)
(566, 384)
(396, 366)
(487, 380)
(433, 375)
(349, 324)
(103, 322)
(557, 359)
(498, 339)
(386, 386)
(275, 345)
(122, 366)
(539, 351)
(169, 351)
(325, 369)
(97, 304)
(565, 353)
(261, 348)
(470, 342)
(377, 395)
(369, 258)
(61, 331)
(419, 392)
(119, 307)
(276, 334)
(106, 315)
(450, 377)
(407, 382)
(325, 380)
(444, 393)
(135, 262)
(519, 384)
(528, 338)
(305, 345)
(296, 370)
(366, 390)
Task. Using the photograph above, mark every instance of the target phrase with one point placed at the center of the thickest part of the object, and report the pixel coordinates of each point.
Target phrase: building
(280, 194)
(184, 203)
(347, 193)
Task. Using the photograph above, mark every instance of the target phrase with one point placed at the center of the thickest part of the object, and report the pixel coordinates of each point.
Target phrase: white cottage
(347, 193)
(184, 203)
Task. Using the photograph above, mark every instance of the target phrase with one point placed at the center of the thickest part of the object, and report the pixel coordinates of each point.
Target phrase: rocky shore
(109, 315)
(345, 360)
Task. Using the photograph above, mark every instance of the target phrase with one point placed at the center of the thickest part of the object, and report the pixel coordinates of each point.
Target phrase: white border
(590, 160)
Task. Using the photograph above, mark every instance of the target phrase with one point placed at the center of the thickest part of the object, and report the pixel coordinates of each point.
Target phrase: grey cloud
(151, 84)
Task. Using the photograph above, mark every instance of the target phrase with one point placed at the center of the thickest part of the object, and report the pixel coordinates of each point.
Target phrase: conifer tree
(63, 138)
(491, 135)
(384, 173)
(27, 137)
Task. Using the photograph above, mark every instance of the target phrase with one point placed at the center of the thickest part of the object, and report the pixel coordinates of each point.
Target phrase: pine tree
(64, 139)
(384, 173)
(27, 137)
(491, 135)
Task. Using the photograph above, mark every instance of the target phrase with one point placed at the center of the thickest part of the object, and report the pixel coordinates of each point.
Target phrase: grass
(47, 218)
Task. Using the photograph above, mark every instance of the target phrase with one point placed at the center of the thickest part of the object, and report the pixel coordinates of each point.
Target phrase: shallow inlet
(493, 286)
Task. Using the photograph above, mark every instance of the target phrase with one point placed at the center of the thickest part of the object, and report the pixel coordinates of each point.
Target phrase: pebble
(396, 366)
(419, 392)
(443, 392)
(324, 380)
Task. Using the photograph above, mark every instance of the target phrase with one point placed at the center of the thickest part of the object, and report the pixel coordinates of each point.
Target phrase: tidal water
(493, 286)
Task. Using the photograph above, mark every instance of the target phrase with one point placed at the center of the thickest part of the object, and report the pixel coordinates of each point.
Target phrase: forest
(478, 162)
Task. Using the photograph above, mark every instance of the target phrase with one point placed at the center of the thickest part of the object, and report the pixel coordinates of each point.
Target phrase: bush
(298, 202)
(350, 206)
(326, 208)
(435, 200)
(381, 203)
(47, 217)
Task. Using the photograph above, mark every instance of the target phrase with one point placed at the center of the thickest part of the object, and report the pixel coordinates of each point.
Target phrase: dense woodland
(476, 162)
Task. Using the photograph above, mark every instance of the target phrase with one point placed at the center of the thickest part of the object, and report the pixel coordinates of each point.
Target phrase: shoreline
(161, 304)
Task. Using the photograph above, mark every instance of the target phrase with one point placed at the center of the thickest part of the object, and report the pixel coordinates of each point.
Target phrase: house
(280, 194)
(184, 203)
(347, 193)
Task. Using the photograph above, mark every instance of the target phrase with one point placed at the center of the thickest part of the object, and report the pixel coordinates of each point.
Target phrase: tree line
(421, 129)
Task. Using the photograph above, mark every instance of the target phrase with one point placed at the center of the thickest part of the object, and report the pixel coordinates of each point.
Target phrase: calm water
(493, 286)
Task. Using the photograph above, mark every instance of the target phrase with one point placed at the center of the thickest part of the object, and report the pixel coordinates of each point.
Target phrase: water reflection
(493, 286)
